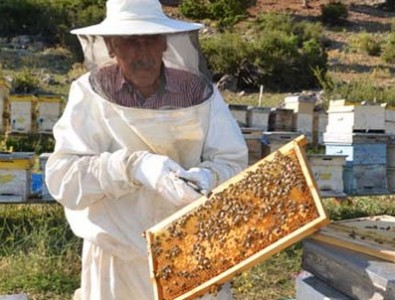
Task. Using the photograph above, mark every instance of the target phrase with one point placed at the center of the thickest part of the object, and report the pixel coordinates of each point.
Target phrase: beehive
(253, 138)
(239, 113)
(21, 113)
(48, 112)
(258, 117)
(15, 172)
(244, 221)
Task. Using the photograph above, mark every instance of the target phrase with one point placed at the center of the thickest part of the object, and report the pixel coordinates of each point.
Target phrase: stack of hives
(358, 131)
(303, 108)
(253, 120)
(245, 220)
(350, 259)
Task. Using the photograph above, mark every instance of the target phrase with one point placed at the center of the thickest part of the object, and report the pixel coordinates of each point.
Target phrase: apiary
(355, 118)
(257, 213)
(45, 195)
(21, 113)
(15, 176)
(48, 112)
(258, 117)
(328, 173)
(281, 119)
(239, 113)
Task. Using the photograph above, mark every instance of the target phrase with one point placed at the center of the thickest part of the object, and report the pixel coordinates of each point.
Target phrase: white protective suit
(96, 142)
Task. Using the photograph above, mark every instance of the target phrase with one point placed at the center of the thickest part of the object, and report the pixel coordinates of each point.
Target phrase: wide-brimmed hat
(136, 17)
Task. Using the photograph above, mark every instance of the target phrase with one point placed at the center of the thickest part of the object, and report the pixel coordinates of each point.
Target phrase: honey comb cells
(271, 201)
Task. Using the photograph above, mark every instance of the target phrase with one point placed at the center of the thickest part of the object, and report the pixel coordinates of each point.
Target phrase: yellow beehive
(15, 172)
(266, 208)
(48, 112)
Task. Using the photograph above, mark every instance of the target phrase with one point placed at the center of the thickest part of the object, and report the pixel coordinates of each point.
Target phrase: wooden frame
(186, 262)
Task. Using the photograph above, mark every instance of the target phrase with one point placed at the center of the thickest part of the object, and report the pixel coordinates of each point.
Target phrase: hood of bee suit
(144, 17)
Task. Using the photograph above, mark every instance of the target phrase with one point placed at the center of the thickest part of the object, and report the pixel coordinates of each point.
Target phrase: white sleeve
(225, 151)
(82, 170)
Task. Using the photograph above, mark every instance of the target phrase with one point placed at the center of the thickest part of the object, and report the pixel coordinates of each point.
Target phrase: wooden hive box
(356, 138)
(21, 113)
(258, 117)
(328, 173)
(239, 113)
(365, 179)
(320, 121)
(264, 209)
(276, 139)
(355, 118)
(391, 179)
(300, 104)
(281, 119)
(48, 112)
(359, 154)
(253, 138)
(15, 176)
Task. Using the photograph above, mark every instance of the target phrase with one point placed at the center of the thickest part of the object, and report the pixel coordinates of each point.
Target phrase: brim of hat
(138, 27)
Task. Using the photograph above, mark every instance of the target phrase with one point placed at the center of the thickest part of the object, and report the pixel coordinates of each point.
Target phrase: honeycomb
(232, 225)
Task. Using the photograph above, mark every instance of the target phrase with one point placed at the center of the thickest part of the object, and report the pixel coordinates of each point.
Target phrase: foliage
(25, 82)
(227, 12)
(366, 43)
(388, 53)
(277, 53)
(335, 12)
(37, 143)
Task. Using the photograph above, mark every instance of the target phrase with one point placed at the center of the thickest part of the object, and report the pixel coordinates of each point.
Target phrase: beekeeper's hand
(158, 172)
(202, 177)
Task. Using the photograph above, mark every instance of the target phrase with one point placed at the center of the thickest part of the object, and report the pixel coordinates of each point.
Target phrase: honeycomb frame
(205, 244)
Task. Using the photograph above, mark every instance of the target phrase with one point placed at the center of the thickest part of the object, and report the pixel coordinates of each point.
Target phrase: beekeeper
(145, 120)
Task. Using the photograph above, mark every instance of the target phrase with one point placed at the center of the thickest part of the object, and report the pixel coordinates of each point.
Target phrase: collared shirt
(177, 88)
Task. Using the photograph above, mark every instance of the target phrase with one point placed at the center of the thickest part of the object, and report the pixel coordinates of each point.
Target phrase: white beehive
(303, 104)
(21, 113)
(344, 118)
(258, 117)
(48, 112)
(15, 176)
(328, 173)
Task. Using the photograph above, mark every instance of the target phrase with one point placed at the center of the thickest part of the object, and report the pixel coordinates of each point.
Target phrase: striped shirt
(177, 89)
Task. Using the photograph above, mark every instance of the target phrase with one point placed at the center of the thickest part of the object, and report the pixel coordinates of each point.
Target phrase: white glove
(158, 172)
(203, 178)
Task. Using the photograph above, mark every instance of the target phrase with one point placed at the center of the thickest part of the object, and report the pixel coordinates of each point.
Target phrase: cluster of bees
(269, 202)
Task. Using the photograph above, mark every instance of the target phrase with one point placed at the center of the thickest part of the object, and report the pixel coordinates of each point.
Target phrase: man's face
(140, 57)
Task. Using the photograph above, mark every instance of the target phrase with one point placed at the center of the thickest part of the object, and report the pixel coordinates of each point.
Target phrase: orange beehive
(264, 209)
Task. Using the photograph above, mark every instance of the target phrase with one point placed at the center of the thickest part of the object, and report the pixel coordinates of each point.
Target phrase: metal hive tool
(264, 209)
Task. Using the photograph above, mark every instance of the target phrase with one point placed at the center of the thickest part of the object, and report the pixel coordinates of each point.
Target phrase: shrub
(25, 82)
(227, 12)
(388, 52)
(334, 13)
(366, 43)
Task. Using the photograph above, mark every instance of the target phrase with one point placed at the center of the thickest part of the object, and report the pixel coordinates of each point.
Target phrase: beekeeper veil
(143, 17)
